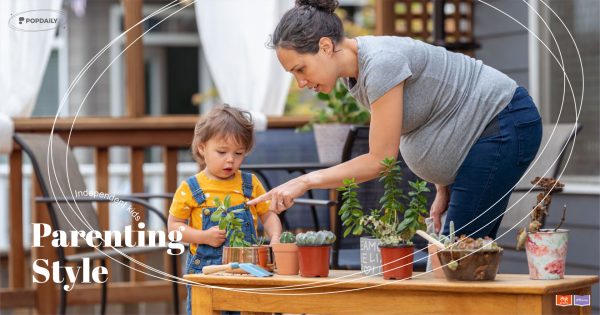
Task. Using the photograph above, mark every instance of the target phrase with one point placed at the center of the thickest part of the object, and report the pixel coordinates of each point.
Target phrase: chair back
(370, 192)
(553, 149)
(58, 175)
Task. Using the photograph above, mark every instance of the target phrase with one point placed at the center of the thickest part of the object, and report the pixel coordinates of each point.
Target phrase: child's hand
(214, 236)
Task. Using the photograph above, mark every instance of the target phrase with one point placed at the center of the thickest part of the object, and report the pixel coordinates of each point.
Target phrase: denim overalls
(205, 254)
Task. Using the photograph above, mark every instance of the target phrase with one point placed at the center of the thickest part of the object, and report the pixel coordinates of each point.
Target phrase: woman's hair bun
(323, 5)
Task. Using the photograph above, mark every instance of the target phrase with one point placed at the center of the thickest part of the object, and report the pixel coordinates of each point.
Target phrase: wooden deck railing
(169, 133)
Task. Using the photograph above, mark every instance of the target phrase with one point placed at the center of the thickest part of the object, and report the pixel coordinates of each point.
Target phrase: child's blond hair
(224, 122)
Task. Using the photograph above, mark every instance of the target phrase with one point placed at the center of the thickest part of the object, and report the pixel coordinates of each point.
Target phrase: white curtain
(23, 59)
(247, 74)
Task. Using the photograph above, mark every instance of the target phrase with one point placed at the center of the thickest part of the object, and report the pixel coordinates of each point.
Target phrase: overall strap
(247, 184)
(197, 192)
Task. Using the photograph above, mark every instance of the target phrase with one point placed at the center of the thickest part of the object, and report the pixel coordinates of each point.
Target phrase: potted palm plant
(546, 248)
(286, 254)
(384, 225)
(332, 123)
(314, 249)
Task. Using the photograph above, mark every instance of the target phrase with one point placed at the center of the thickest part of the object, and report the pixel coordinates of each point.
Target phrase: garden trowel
(247, 267)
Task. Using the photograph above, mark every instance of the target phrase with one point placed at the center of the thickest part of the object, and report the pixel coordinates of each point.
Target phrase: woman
(460, 124)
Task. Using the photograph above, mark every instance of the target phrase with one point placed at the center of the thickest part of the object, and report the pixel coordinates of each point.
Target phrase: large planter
(546, 254)
(314, 260)
(436, 267)
(470, 265)
(240, 255)
(330, 140)
(370, 257)
(286, 258)
(397, 262)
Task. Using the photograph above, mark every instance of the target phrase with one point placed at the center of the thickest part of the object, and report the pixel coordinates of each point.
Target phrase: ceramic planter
(240, 255)
(265, 257)
(314, 260)
(370, 257)
(397, 261)
(471, 265)
(330, 140)
(435, 261)
(286, 258)
(546, 254)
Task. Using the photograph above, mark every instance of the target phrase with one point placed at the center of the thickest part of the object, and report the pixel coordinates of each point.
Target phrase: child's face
(223, 157)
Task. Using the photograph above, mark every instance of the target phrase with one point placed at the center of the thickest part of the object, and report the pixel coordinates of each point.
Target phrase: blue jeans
(493, 166)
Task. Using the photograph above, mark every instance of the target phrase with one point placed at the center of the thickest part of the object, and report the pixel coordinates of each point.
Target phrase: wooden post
(137, 186)
(134, 59)
(385, 17)
(16, 261)
(101, 162)
(170, 185)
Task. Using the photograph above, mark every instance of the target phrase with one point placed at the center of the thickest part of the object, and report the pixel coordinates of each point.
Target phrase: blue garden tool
(247, 267)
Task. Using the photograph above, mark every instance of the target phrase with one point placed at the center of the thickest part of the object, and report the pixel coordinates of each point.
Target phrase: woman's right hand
(214, 236)
(282, 197)
(439, 206)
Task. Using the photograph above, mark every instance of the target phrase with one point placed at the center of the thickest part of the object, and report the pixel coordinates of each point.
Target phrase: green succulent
(315, 238)
(287, 237)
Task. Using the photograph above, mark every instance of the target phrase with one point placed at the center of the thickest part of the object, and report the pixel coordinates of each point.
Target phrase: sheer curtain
(23, 59)
(247, 74)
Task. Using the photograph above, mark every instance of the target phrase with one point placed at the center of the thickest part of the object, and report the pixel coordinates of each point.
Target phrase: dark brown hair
(223, 122)
(303, 26)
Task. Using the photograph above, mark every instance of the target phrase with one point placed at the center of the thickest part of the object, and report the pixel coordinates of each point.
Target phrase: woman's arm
(439, 205)
(384, 140)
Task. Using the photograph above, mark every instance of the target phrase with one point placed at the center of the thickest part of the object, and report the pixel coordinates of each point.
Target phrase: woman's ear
(326, 45)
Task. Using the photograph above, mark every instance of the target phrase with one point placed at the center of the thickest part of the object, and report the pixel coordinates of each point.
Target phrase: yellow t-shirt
(185, 207)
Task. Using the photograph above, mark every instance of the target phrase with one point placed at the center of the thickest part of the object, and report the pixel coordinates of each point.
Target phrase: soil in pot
(314, 260)
(397, 262)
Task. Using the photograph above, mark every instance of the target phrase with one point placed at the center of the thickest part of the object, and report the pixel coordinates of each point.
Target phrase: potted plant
(314, 250)
(394, 235)
(332, 123)
(468, 259)
(286, 254)
(238, 250)
(546, 248)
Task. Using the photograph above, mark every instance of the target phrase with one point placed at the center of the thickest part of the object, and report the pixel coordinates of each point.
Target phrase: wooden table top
(351, 279)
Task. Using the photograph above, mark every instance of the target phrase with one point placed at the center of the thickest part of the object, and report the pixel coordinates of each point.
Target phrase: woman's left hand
(282, 197)
(439, 206)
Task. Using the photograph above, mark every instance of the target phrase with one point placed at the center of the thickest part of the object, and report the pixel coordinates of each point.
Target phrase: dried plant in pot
(468, 259)
(286, 254)
(394, 235)
(314, 250)
(546, 248)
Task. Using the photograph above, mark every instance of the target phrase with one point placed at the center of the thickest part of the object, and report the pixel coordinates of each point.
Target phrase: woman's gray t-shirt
(449, 98)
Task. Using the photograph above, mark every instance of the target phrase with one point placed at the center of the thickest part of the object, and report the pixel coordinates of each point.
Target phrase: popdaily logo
(37, 20)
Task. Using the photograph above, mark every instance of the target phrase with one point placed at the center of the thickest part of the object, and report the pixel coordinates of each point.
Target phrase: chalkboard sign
(370, 256)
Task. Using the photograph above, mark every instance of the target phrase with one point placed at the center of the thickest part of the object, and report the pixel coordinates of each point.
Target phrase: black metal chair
(58, 175)
(346, 250)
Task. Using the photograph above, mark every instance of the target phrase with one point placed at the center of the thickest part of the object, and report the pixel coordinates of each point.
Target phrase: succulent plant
(315, 238)
(287, 237)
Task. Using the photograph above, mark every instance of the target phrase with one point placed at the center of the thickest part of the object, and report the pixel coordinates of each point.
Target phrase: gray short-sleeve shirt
(449, 98)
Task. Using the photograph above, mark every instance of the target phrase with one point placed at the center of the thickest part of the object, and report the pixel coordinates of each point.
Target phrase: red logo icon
(564, 300)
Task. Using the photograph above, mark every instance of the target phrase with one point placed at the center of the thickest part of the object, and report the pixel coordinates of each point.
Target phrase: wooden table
(508, 294)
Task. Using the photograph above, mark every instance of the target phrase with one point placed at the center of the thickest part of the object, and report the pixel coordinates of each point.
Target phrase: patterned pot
(370, 257)
(546, 254)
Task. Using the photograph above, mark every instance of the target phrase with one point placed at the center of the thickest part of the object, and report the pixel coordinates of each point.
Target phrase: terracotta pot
(286, 258)
(265, 257)
(546, 254)
(472, 265)
(370, 257)
(397, 261)
(240, 255)
(314, 260)
(436, 267)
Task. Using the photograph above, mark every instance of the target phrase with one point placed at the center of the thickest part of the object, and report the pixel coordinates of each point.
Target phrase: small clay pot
(265, 257)
(397, 261)
(435, 261)
(286, 258)
(472, 265)
(314, 260)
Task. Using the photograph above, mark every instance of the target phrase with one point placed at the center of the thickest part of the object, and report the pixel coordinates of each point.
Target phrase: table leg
(202, 301)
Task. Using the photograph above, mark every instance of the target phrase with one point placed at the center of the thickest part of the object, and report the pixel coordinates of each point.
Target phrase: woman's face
(314, 71)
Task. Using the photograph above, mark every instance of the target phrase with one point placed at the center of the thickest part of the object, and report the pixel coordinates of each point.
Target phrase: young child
(221, 140)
